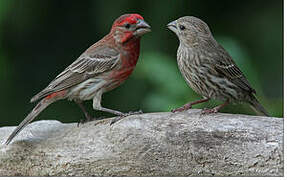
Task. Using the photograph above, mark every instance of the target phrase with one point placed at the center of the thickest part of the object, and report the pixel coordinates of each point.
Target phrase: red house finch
(101, 68)
(208, 69)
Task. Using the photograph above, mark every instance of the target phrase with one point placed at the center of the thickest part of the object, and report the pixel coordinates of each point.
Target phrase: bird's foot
(123, 115)
(209, 111)
(183, 108)
(215, 109)
(88, 119)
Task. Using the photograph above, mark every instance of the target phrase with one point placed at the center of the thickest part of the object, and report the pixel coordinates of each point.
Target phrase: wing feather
(102, 59)
(226, 66)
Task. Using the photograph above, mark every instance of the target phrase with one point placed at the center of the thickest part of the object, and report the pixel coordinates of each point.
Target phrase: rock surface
(152, 144)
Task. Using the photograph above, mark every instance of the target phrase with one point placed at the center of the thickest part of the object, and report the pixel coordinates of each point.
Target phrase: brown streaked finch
(101, 68)
(208, 68)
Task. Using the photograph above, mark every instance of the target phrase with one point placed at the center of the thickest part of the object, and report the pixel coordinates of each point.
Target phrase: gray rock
(152, 144)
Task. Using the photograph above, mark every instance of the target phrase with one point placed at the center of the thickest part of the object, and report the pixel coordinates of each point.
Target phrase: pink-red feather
(127, 18)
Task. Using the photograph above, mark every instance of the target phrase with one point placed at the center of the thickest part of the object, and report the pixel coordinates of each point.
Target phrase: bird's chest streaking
(202, 77)
(128, 62)
(189, 67)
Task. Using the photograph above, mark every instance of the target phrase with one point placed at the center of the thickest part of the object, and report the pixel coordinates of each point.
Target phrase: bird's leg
(215, 109)
(97, 106)
(87, 115)
(189, 105)
(118, 113)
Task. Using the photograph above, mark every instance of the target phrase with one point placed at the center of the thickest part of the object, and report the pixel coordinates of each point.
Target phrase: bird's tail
(257, 107)
(31, 116)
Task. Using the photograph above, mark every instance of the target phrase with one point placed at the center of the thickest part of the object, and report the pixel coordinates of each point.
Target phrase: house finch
(101, 68)
(207, 67)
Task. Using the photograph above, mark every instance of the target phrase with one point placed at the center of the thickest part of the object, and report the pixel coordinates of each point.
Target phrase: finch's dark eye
(182, 27)
(127, 26)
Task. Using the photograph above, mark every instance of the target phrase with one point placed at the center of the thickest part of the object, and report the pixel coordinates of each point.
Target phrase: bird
(208, 68)
(102, 67)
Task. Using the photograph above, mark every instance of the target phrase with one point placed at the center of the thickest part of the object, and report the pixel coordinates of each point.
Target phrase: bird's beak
(141, 28)
(172, 26)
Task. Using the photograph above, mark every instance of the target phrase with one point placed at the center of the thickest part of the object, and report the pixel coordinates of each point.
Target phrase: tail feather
(40, 95)
(256, 106)
(31, 116)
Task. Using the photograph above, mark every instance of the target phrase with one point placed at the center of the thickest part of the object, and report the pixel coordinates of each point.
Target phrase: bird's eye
(127, 26)
(182, 27)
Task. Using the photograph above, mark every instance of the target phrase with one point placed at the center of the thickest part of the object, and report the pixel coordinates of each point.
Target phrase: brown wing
(100, 60)
(226, 66)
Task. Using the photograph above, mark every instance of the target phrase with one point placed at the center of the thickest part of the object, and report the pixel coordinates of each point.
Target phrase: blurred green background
(38, 39)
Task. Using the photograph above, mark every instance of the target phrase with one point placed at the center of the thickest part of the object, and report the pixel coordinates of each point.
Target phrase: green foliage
(3, 63)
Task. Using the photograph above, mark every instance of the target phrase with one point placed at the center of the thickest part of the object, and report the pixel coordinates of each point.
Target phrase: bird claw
(83, 121)
(134, 112)
(114, 120)
(180, 109)
(209, 111)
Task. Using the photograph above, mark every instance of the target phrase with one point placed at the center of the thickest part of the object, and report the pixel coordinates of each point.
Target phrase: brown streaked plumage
(101, 68)
(208, 68)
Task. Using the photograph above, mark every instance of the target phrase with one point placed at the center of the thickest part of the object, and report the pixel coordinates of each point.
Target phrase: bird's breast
(122, 73)
(127, 63)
